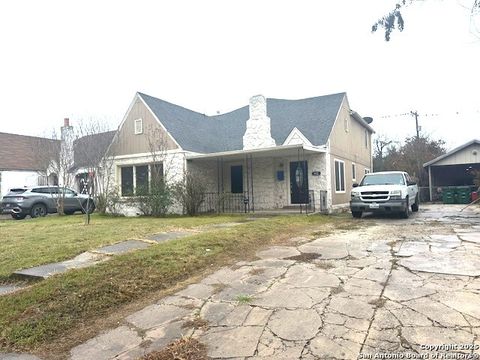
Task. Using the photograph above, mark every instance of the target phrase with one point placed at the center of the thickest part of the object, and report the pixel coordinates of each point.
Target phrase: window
(236, 179)
(345, 123)
(141, 180)
(339, 176)
(366, 138)
(354, 171)
(127, 180)
(138, 126)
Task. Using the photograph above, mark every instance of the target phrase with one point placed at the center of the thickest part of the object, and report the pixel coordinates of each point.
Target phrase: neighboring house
(272, 154)
(18, 166)
(455, 168)
(88, 153)
(24, 159)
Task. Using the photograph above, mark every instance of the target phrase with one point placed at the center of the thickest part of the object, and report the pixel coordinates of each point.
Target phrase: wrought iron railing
(240, 203)
(224, 203)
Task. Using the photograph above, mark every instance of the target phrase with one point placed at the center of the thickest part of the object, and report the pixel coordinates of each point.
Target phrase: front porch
(289, 178)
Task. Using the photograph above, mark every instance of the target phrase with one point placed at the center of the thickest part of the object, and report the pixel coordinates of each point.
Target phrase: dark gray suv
(41, 200)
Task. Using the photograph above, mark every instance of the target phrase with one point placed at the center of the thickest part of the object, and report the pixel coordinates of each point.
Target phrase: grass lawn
(53, 315)
(33, 242)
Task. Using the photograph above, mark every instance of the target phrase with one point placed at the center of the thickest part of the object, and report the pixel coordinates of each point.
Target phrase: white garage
(455, 168)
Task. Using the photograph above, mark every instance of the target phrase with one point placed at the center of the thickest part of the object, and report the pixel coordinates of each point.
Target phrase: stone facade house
(272, 154)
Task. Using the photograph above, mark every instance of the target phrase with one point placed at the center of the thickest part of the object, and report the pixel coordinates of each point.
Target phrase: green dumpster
(448, 195)
(463, 194)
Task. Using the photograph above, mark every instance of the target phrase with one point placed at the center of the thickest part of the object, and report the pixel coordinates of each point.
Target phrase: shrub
(191, 193)
(155, 200)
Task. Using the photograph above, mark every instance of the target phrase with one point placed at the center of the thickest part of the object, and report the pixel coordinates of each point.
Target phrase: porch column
(430, 185)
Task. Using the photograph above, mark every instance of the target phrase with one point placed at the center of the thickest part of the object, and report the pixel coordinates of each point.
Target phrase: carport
(455, 168)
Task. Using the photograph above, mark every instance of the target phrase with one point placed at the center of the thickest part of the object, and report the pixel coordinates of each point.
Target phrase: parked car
(42, 200)
(387, 192)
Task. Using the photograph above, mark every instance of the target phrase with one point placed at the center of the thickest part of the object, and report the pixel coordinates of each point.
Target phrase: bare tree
(381, 145)
(93, 165)
(54, 156)
(155, 195)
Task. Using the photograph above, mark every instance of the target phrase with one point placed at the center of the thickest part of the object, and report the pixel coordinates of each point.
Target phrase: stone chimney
(258, 134)
(66, 152)
(66, 130)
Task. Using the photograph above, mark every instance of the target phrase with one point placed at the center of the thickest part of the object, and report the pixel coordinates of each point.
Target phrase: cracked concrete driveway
(392, 286)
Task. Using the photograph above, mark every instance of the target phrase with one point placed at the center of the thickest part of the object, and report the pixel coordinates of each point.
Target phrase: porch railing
(239, 203)
(224, 203)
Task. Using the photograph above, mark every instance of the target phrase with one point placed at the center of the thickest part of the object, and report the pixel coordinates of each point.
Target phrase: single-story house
(18, 166)
(23, 159)
(271, 154)
(455, 168)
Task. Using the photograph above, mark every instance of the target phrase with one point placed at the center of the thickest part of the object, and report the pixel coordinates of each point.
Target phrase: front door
(298, 182)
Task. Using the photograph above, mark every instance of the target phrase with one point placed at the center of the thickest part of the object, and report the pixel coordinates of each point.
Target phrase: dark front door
(298, 182)
(236, 177)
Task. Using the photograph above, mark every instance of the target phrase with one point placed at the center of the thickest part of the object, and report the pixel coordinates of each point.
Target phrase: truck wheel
(357, 214)
(406, 212)
(38, 210)
(415, 206)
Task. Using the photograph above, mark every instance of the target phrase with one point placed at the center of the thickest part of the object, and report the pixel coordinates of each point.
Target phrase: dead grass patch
(304, 257)
(325, 265)
(183, 349)
(378, 303)
(197, 323)
(337, 290)
(218, 288)
(256, 271)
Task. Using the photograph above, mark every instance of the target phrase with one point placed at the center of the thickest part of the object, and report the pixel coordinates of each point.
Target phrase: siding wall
(464, 156)
(127, 143)
(349, 147)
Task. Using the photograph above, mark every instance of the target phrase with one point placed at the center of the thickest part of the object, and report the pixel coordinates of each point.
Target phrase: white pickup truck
(387, 192)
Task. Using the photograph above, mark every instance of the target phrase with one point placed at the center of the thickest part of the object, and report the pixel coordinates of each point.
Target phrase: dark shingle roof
(91, 148)
(314, 117)
(17, 151)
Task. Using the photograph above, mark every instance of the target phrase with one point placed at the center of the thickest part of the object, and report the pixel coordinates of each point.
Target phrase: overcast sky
(86, 59)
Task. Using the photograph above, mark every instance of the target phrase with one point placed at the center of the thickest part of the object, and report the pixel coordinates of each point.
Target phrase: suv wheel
(38, 210)
(18, 216)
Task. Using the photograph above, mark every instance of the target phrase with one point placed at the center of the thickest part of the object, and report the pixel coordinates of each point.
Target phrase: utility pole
(415, 114)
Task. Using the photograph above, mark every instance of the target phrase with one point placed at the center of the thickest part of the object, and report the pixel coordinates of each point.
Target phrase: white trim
(296, 132)
(335, 176)
(121, 124)
(315, 149)
(338, 114)
(138, 130)
(139, 155)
